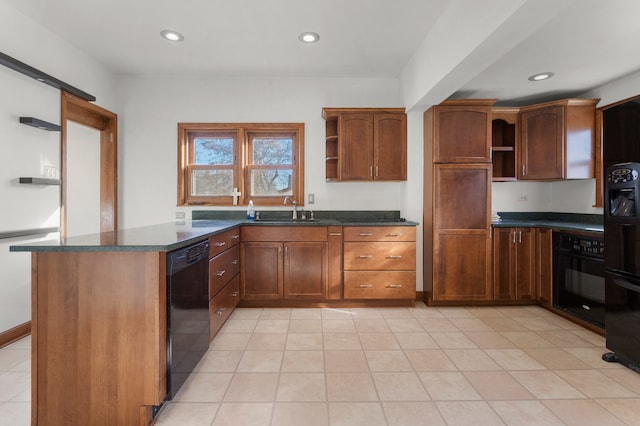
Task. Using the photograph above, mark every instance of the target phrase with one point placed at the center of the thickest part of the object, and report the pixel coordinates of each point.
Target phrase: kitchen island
(99, 323)
(99, 318)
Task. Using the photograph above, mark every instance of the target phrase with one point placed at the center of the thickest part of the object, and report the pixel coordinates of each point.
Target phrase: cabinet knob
(365, 234)
(234, 262)
(364, 256)
(394, 286)
(235, 294)
(365, 286)
(393, 235)
(335, 234)
(394, 257)
(220, 273)
(235, 237)
(220, 243)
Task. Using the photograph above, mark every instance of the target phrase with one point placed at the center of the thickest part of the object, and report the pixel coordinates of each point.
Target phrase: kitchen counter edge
(170, 236)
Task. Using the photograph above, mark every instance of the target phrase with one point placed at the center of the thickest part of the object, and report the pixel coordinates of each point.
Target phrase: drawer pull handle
(365, 285)
(394, 256)
(221, 311)
(363, 234)
(364, 256)
(220, 243)
(335, 234)
(393, 235)
(234, 262)
(235, 294)
(394, 286)
(235, 237)
(220, 273)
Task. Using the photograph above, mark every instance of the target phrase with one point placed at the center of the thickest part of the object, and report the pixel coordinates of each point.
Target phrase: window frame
(242, 154)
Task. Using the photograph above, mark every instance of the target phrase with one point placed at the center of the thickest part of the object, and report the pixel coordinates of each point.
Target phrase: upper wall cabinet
(462, 131)
(366, 144)
(557, 140)
(504, 131)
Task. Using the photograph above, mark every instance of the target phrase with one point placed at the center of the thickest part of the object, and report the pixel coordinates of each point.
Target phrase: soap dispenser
(251, 213)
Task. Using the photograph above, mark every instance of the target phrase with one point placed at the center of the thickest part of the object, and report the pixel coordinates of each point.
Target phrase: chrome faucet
(294, 214)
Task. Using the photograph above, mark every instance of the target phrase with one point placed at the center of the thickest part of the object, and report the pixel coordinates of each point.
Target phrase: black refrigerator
(622, 263)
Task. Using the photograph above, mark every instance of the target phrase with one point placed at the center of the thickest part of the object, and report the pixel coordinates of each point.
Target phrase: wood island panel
(99, 337)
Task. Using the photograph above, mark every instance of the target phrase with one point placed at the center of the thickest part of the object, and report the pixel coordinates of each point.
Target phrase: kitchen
(198, 98)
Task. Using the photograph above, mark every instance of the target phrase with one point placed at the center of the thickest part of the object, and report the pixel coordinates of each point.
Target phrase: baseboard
(15, 333)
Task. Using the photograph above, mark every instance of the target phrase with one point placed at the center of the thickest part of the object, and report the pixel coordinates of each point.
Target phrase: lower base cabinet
(379, 263)
(284, 263)
(514, 254)
(224, 278)
(222, 305)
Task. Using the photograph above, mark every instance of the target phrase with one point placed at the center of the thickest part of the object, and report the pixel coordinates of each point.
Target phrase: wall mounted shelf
(42, 77)
(40, 124)
(39, 181)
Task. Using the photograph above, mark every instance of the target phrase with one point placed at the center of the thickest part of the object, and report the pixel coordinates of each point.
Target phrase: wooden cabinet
(544, 266)
(457, 201)
(365, 144)
(504, 136)
(99, 328)
(461, 232)
(224, 268)
(284, 263)
(379, 262)
(461, 131)
(514, 261)
(557, 140)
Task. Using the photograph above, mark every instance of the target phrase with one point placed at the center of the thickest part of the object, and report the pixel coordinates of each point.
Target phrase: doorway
(82, 151)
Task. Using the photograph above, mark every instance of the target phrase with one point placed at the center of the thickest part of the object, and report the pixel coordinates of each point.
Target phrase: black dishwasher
(187, 312)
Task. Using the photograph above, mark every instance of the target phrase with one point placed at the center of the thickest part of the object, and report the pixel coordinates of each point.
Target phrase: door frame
(80, 111)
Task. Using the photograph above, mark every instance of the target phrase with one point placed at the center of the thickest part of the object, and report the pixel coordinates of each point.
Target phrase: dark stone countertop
(564, 221)
(174, 235)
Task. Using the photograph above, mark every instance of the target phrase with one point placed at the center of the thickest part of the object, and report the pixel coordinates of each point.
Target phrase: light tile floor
(387, 366)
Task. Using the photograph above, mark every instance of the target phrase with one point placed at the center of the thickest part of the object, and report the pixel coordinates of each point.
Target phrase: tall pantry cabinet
(457, 201)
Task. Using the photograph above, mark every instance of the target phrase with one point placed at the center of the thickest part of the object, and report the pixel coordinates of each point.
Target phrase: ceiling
(586, 43)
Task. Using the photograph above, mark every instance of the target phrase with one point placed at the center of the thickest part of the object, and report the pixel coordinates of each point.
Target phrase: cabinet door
(462, 266)
(541, 143)
(462, 134)
(262, 270)
(462, 196)
(461, 225)
(305, 270)
(356, 146)
(334, 254)
(390, 147)
(544, 264)
(504, 263)
(525, 265)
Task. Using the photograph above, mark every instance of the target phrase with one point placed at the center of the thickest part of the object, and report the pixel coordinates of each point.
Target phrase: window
(227, 164)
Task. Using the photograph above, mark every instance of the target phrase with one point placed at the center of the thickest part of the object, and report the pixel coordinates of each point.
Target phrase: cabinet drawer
(222, 268)
(380, 285)
(284, 233)
(379, 256)
(221, 306)
(379, 233)
(221, 242)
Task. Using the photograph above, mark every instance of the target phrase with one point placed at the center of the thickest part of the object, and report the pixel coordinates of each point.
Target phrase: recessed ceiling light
(172, 35)
(308, 37)
(541, 76)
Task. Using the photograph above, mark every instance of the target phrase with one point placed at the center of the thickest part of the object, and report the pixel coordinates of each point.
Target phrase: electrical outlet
(181, 215)
(312, 198)
(523, 197)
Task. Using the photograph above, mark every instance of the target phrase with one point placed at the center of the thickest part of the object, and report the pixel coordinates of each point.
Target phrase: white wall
(571, 196)
(151, 107)
(25, 151)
